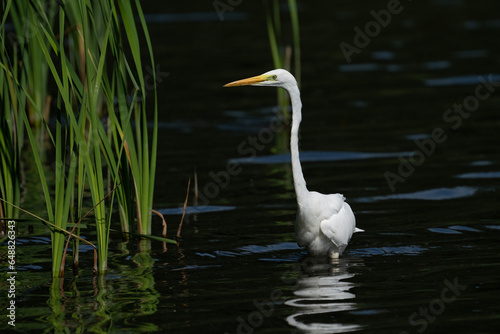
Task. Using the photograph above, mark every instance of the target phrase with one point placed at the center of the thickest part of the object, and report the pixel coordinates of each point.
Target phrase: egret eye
(274, 77)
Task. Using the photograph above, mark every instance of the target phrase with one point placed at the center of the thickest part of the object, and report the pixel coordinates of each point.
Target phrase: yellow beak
(248, 81)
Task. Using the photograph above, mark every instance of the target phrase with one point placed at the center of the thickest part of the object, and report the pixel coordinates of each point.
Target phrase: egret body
(325, 223)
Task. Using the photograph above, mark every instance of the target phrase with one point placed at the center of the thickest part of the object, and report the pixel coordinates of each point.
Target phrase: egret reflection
(323, 288)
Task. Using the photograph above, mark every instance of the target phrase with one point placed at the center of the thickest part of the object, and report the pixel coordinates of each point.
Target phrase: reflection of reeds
(78, 48)
(281, 51)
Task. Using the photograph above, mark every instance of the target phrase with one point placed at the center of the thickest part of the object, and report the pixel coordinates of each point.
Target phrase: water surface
(428, 261)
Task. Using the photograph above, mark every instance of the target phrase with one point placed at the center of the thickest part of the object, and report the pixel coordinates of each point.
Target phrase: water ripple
(437, 194)
(255, 249)
(316, 156)
(386, 251)
(328, 293)
(479, 175)
(443, 230)
(464, 80)
(196, 209)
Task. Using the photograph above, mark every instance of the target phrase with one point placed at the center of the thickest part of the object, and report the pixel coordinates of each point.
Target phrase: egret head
(275, 78)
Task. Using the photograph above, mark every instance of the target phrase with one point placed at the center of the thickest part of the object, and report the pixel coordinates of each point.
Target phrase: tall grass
(11, 140)
(98, 133)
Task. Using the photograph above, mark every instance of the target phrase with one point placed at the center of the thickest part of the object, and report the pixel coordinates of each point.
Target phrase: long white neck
(298, 177)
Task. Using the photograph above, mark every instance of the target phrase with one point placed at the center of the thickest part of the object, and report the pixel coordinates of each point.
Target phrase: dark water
(423, 182)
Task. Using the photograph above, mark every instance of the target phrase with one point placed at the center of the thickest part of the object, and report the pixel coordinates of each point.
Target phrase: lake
(400, 114)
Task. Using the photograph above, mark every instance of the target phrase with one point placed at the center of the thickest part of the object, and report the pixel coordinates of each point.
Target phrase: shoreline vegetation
(74, 100)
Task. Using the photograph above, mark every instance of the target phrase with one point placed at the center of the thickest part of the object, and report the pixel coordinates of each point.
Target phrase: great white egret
(325, 223)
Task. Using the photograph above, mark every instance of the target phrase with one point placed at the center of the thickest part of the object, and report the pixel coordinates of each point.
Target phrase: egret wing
(340, 226)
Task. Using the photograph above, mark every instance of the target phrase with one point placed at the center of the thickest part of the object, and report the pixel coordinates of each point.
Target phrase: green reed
(11, 139)
(281, 51)
(99, 135)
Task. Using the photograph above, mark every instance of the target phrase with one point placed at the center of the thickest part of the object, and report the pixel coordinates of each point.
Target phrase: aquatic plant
(282, 52)
(98, 134)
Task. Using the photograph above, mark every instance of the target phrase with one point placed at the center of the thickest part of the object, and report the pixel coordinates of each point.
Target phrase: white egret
(325, 223)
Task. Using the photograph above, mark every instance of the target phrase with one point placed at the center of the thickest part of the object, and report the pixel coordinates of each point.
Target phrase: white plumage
(325, 223)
